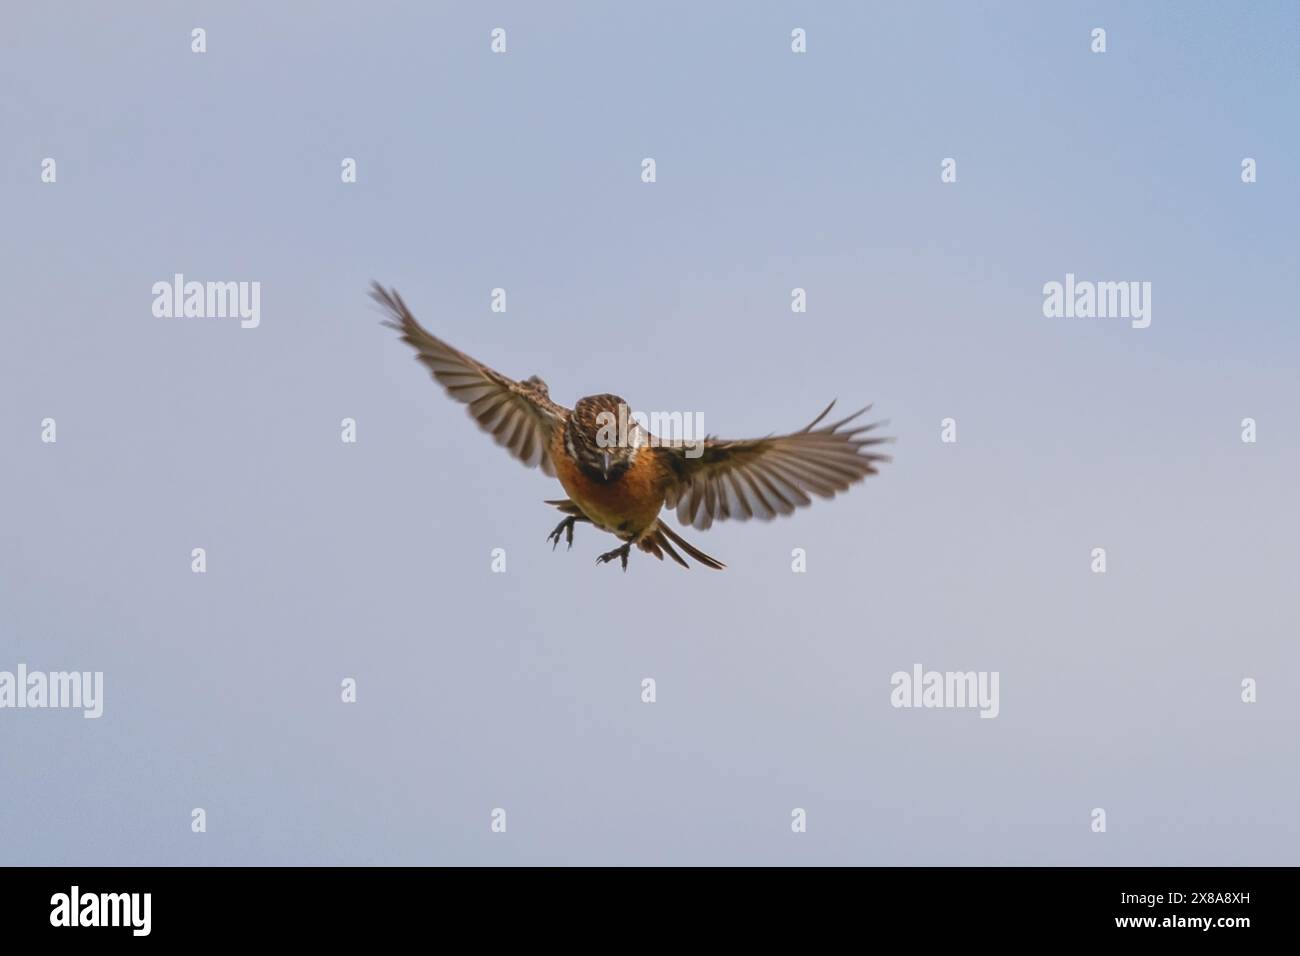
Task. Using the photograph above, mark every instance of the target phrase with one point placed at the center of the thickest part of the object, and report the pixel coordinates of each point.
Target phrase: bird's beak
(606, 466)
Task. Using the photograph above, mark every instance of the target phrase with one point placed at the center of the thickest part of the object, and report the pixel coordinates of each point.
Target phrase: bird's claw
(565, 526)
(620, 553)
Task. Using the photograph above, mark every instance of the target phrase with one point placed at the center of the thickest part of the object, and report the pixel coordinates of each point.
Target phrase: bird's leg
(620, 553)
(565, 526)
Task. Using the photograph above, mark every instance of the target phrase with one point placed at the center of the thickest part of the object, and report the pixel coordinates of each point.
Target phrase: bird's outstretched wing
(765, 477)
(519, 415)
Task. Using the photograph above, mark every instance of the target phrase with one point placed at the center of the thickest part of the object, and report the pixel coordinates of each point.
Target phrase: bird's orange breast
(626, 506)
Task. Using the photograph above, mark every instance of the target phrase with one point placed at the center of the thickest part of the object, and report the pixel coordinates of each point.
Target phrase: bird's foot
(620, 553)
(565, 526)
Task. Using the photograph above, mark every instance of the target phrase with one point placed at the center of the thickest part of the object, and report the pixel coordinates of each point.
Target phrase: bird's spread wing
(765, 477)
(519, 415)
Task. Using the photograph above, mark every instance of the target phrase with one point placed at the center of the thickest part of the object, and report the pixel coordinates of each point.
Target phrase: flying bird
(622, 487)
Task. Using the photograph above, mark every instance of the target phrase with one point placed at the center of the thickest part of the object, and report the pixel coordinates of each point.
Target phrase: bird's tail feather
(665, 535)
(662, 539)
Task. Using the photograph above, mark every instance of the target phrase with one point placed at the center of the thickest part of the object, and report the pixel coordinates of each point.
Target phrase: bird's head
(602, 436)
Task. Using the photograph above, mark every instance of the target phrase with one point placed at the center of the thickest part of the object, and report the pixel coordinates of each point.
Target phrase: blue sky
(774, 171)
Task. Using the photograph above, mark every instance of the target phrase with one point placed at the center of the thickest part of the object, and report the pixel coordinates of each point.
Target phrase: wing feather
(765, 477)
(520, 416)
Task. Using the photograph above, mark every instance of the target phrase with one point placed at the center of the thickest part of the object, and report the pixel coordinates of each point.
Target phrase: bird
(623, 486)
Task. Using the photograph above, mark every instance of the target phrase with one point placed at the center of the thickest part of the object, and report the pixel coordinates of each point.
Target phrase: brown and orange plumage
(623, 489)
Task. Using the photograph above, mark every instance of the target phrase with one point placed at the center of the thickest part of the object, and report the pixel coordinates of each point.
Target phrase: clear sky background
(522, 690)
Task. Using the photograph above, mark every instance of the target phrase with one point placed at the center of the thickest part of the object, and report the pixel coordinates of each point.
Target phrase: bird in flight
(621, 487)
